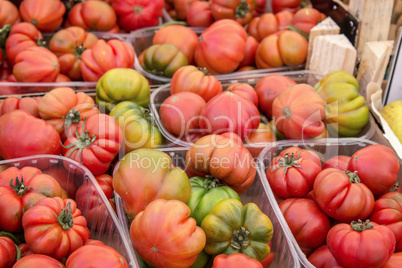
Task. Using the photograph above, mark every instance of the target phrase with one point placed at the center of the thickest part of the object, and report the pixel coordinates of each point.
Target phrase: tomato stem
(361, 226)
(242, 9)
(19, 186)
(40, 42)
(18, 253)
(288, 160)
(4, 33)
(203, 69)
(138, 9)
(79, 50)
(211, 182)
(65, 217)
(394, 188)
(286, 112)
(73, 116)
(353, 178)
(154, 248)
(240, 238)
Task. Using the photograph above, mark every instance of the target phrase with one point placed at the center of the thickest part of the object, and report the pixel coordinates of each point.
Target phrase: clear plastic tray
(109, 231)
(326, 149)
(142, 39)
(284, 254)
(309, 77)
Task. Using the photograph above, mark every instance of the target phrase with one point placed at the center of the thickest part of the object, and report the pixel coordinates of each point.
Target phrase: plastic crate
(142, 39)
(109, 231)
(325, 149)
(284, 253)
(309, 77)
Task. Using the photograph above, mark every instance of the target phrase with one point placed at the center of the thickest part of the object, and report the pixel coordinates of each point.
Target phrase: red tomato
(115, 54)
(180, 113)
(268, 88)
(36, 64)
(29, 104)
(339, 161)
(292, 173)
(298, 112)
(38, 137)
(55, 227)
(245, 91)
(291, 5)
(38, 260)
(181, 8)
(235, 260)
(94, 142)
(284, 19)
(238, 10)
(323, 258)
(8, 252)
(261, 27)
(361, 244)
(249, 54)
(306, 18)
(61, 78)
(200, 14)
(306, 221)
(395, 261)
(46, 15)
(136, 14)
(96, 256)
(25, 250)
(257, 140)
(9, 14)
(228, 112)
(366, 162)
(341, 195)
(388, 211)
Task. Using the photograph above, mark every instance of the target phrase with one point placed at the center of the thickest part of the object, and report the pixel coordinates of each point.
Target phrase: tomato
(291, 5)
(189, 78)
(182, 7)
(261, 27)
(46, 15)
(136, 14)
(306, 221)
(361, 244)
(137, 126)
(245, 91)
(22, 36)
(225, 158)
(164, 60)
(395, 261)
(184, 38)
(55, 227)
(29, 104)
(366, 162)
(38, 260)
(235, 260)
(322, 257)
(148, 173)
(205, 193)
(249, 54)
(115, 54)
(94, 142)
(228, 112)
(92, 16)
(284, 19)
(292, 173)
(20, 190)
(306, 18)
(180, 113)
(121, 84)
(339, 161)
(8, 252)
(25, 250)
(285, 48)
(221, 47)
(238, 10)
(96, 256)
(68, 45)
(387, 211)
(165, 236)
(298, 112)
(269, 87)
(231, 227)
(38, 137)
(9, 14)
(36, 64)
(200, 14)
(342, 196)
(259, 138)
(65, 178)
(61, 78)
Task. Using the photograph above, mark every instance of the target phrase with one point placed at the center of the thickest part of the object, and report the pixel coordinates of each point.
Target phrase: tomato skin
(245, 91)
(151, 235)
(291, 5)
(38, 260)
(395, 261)
(367, 248)
(284, 19)
(323, 258)
(233, 9)
(235, 260)
(339, 161)
(25, 250)
(66, 179)
(268, 88)
(263, 134)
(29, 104)
(24, 125)
(8, 252)
(181, 8)
(92, 15)
(200, 14)
(9, 14)
(296, 181)
(221, 47)
(261, 27)
(341, 195)
(136, 14)
(46, 15)
(96, 256)
(307, 222)
(189, 78)
(306, 18)
(366, 162)
(249, 54)
(387, 211)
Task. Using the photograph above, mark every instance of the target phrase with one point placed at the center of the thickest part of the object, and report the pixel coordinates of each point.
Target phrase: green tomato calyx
(240, 238)
(242, 9)
(361, 226)
(19, 186)
(353, 178)
(211, 182)
(73, 116)
(65, 217)
(288, 160)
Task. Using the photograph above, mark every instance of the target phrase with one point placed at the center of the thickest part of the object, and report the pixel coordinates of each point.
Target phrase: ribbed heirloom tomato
(96, 255)
(38, 260)
(8, 252)
(235, 260)
(238, 10)
(46, 15)
(200, 14)
(29, 104)
(9, 14)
